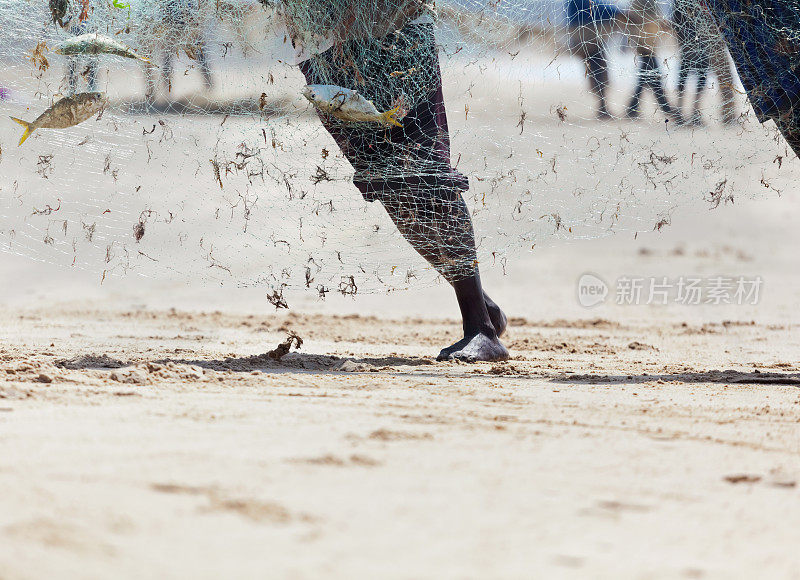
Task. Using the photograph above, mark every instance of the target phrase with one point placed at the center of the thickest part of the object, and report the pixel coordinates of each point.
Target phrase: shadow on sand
(302, 361)
(261, 362)
(714, 376)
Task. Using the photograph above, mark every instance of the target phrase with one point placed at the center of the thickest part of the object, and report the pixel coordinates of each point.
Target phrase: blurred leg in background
(166, 71)
(591, 23)
(597, 71)
(645, 23)
(205, 69)
(79, 67)
(649, 76)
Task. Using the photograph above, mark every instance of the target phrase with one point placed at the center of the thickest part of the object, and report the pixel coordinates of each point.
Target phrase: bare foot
(479, 347)
(456, 346)
(499, 322)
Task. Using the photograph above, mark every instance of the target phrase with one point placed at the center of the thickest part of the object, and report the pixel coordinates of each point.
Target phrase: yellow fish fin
(390, 116)
(27, 132)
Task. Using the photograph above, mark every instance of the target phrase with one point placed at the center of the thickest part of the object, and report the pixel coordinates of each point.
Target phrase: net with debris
(295, 143)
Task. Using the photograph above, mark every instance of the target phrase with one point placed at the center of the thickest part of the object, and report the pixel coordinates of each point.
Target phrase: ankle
(485, 328)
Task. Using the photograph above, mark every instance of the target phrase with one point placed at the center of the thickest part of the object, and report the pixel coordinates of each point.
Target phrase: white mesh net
(209, 162)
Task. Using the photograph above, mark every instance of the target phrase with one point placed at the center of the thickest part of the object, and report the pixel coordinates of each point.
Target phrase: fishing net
(536, 121)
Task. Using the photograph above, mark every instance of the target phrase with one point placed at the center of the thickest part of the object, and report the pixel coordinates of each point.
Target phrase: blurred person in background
(590, 24)
(77, 24)
(182, 18)
(644, 25)
(694, 39)
(164, 29)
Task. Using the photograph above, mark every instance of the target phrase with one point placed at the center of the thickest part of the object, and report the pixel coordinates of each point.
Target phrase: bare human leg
(438, 226)
(408, 169)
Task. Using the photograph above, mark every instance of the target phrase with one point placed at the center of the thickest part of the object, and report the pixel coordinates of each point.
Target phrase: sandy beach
(147, 434)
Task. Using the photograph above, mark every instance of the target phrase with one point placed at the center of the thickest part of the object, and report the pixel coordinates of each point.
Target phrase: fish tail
(390, 116)
(27, 132)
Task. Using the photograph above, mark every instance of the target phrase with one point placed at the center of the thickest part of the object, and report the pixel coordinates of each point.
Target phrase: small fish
(94, 43)
(67, 112)
(348, 105)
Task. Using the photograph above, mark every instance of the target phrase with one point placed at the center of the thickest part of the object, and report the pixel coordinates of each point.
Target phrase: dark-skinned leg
(428, 240)
(438, 226)
(166, 71)
(655, 81)
(683, 79)
(632, 111)
(205, 69)
(597, 71)
(696, 118)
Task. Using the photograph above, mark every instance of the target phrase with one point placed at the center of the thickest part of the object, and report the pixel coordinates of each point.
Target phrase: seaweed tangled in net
(537, 121)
